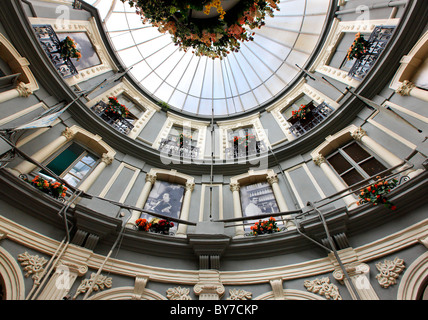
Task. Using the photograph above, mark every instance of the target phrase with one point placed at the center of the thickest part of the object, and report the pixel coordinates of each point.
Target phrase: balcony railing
(377, 43)
(239, 151)
(51, 45)
(120, 124)
(315, 116)
(174, 147)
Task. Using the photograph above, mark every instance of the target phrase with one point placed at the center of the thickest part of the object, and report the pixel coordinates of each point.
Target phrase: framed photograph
(89, 55)
(165, 198)
(257, 199)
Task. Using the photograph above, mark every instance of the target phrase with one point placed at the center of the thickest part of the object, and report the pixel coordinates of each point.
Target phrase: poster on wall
(257, 199)
(166, 199)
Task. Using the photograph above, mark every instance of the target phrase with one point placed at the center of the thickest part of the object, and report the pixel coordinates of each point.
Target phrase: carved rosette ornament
(389, 272)
(358, 134)
(405, 88)
(323, 287)
(239, 294)
(178, 293)
(33, 265)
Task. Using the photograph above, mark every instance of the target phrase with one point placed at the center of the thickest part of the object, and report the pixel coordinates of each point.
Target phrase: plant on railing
(155, 225)
(264, 226)
(358, 48)
(115, 109)
(161, 225)
(300, 113)
(183, 140)
(376, 193)
(244, 141)
(68, 49)
(55, 189)
(214, 37)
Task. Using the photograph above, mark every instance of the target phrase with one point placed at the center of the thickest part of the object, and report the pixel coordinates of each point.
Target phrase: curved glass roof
(242, 81)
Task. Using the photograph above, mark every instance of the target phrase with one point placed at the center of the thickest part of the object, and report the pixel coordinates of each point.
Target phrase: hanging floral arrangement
(143, 224)
(247, 140)
(55, 189)
(115, 109)
(214, 37)
(67, 48)
(155, 225)
(264, 226)
(358, 48)
(376, 193)
(301, 113)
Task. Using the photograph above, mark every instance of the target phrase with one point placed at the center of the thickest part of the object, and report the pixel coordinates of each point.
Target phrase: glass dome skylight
(242, 81)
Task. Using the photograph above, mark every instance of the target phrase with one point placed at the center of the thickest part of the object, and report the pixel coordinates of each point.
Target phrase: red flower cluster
(155, 225)
(301, 112)
(376, 193)
(115, 108)
(265, 226)
(55, 189)
(358, 47)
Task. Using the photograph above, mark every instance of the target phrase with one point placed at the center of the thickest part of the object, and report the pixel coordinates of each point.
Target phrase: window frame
(354, 165)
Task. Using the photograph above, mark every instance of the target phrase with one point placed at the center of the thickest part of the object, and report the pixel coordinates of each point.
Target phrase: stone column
(41, 155)
(182, 228)
(20, 91)
(237, 210)
(334, 179)
(106, 160)
(407, 88)
(282, 205)
(150, 180)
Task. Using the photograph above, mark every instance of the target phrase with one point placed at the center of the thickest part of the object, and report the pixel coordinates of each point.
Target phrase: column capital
(107, 159)
(319, 159)
(234, 186)
(189, 186)
(405, 88)
(272, 179)
(151, 178)
(68, 134)
(358, 134)
(23, 90)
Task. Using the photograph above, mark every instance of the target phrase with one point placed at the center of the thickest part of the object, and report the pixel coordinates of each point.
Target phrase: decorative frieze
(178, 293)
(103, 282)
(239, 294)
(33, 265)
(323, 287)
(389, 271)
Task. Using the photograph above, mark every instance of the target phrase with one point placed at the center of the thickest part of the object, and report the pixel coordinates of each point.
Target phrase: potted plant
(264, 227)
(358, 48)
(183, 140)
(376, 193)
(68, 49)
(55, 189)
(115, 109)
(143, 224)
(301, 113)
(160, 225)
(212, 36)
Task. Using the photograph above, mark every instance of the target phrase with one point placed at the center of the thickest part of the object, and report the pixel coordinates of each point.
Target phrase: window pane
(64, 159)
(89, 160)
(339, 163)
(372, 167)
(356, 152)
(73, 181)
(80, 170)
(352, 177)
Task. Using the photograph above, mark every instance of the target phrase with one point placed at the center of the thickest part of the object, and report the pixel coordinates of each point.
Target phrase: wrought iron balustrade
(239, 151)
(315, 116)
(120, 124)
(51, 45)
(377, 43)
(172, 146)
